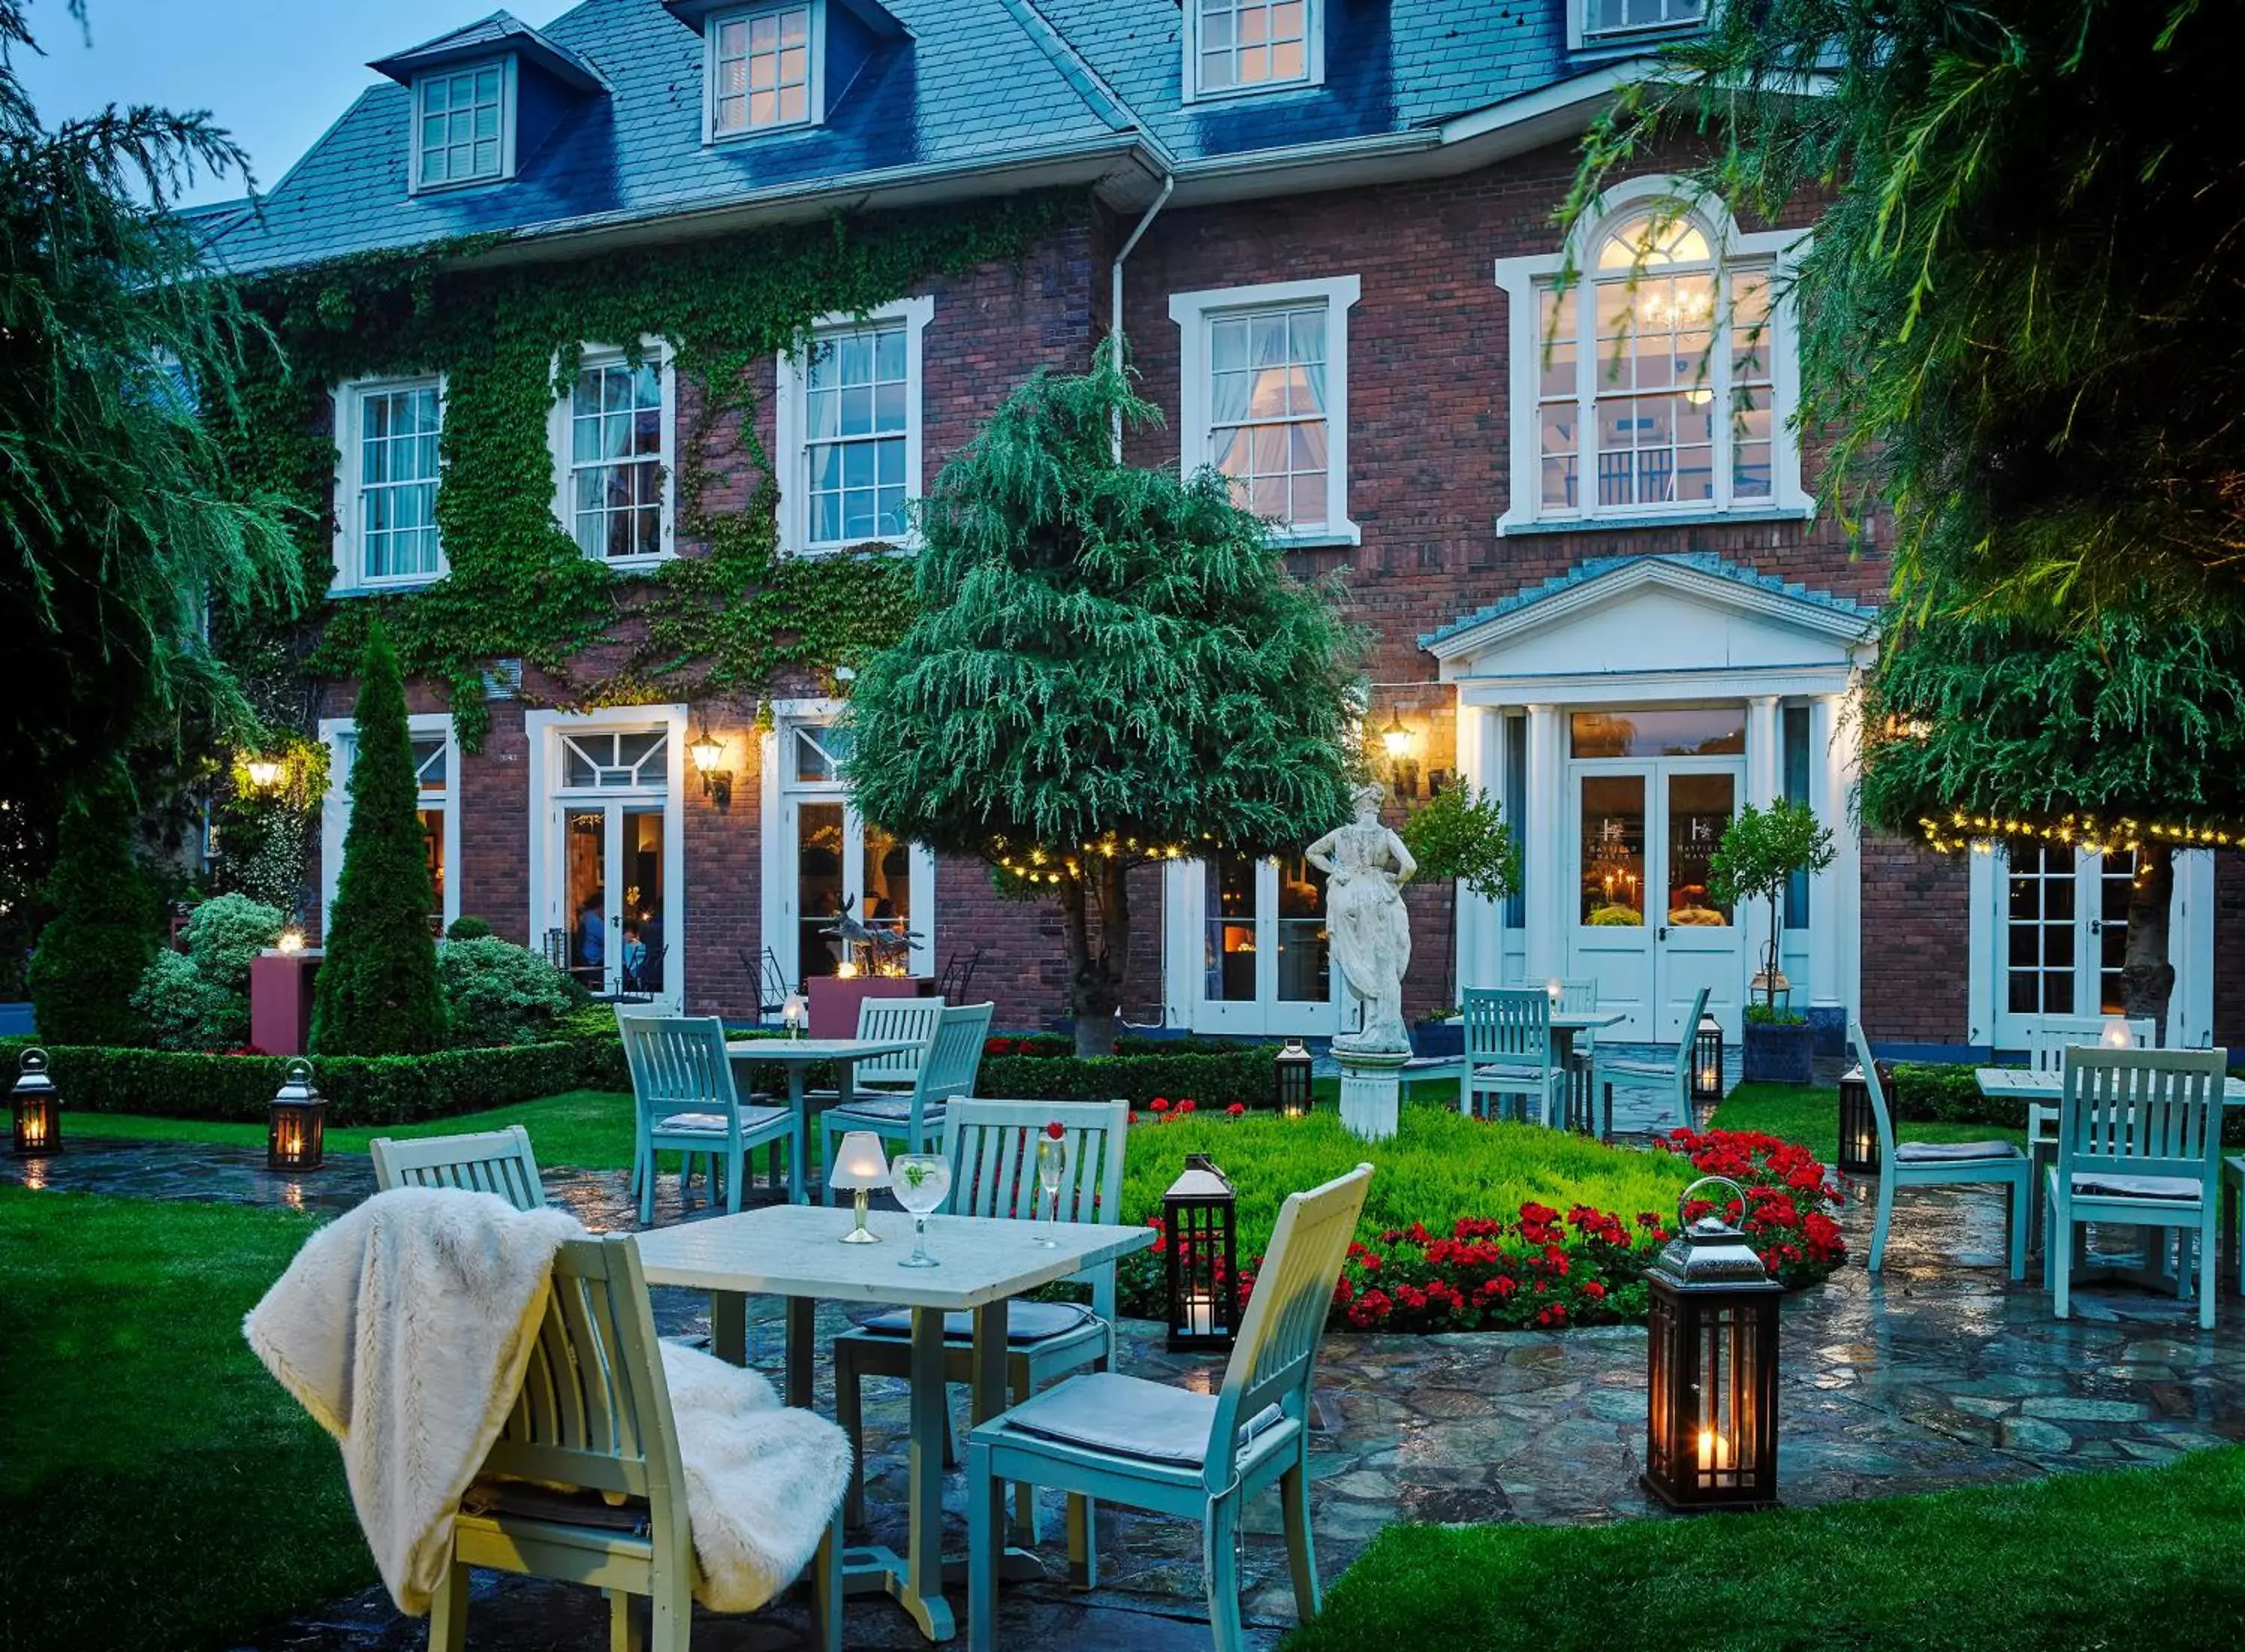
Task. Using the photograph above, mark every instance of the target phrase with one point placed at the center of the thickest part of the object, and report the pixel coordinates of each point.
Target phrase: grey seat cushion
(1130, 1417)
(1953, 1152)
(1026, 1322)
(1513, 1072)
(2104, 1184)
(896, 1112)
(1640, 1069)
(752, 1120)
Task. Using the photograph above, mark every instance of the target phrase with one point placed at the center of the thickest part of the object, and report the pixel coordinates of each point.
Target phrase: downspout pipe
(1114, 299)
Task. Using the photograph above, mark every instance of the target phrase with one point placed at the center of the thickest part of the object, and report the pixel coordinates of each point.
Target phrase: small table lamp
(860, 1166)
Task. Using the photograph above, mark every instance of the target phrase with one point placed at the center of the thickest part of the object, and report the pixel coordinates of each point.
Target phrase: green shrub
(379, 993)
(94, 953)
(226, 932)
(496, 992)
(1240, 1073)
(180, 1008)
(467, 929)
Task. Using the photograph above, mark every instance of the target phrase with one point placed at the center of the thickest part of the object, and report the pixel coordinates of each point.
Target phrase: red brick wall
(2229, 951)
(1917, 950)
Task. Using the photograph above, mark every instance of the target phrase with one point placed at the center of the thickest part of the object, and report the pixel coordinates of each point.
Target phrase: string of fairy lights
(1038, 864)
(1960, 830)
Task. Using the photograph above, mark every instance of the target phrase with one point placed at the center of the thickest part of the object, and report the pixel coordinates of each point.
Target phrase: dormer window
(463, 125)
(1239, 46)
(765, 69)
(1605, 20)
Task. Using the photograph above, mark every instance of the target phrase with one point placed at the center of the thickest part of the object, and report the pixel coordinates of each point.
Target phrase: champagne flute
(1051, 1167)
(921, 1182)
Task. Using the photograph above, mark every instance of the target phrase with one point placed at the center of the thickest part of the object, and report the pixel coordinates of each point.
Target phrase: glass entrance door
(838, 862)
(1267, 961)
(607, 897)
(2066, 934)
(614, 865)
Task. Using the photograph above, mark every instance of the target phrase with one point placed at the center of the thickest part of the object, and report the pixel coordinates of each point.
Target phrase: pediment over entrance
(1640, 616)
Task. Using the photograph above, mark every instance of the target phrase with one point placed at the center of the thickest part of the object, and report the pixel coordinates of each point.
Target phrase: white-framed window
(1657, 380)
(1263, 398)
(1234, 47)
(463, 125)
(1598, 23)
(611, 435)
(848, 428)
(436, 767)
(388, 434)
(765, 70)
(824, 858)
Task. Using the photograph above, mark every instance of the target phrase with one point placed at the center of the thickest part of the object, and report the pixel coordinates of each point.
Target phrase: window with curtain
(1247, 43)
(615, 489)
(856, 417)
(397, 471)
(1267, 410)
(761, 71)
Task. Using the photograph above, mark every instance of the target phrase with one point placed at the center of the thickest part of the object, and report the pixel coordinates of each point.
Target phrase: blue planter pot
(1433, 1040)
(1778, 1052)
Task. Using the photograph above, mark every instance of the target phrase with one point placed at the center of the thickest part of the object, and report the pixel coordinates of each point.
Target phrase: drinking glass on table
(921, 1182)
(1052, 1169)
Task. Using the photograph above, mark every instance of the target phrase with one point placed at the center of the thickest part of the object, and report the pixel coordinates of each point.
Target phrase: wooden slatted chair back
(594, 1409)
(678, 1065)
(2142, 1113)
(1509, 1024)
(2049, 1038)
(913, 1018)
(488, 1162)
(954, 1059)
(1578, 994)
(1276, 1353)
(1861, 1044)
(993, 1148)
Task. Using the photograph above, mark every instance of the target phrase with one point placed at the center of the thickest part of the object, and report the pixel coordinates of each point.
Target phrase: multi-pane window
(1655, 387)
(610, 761)
(1244, 44)
(615, 477)
(1267, 400)
(463, 126)
(398, 426)
(762, 64)
(1619, 16)
(857, 423)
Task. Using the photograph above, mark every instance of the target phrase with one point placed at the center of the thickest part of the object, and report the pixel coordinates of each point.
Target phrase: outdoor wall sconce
(1711, 1412)
(717, 784)
(38, 1108)
(1197, 1216)
(1399, 740)
(297, 1122)
(264, 772)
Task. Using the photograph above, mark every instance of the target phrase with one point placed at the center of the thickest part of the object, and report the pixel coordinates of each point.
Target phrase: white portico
(1621, 714)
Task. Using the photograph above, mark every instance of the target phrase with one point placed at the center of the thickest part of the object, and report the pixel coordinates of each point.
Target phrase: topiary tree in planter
(94, 951)
(377, 992)
(1461, 837)
(1761, 851)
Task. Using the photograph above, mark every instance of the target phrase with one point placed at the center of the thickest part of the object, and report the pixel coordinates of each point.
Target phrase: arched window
(1652, 371)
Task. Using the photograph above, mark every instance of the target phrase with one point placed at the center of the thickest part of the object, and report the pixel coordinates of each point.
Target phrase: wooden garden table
(798, 1056)
(796, 1251)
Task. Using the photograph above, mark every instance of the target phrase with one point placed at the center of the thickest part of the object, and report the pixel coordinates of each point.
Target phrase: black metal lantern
(1197, 1216)
(297, 1122)
(1711, 1417)
(1858, 1153)
(38, 1108)
(1706, 1063)
(1291, 1089)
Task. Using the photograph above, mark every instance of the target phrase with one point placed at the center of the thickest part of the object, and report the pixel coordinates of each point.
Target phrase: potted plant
(1460, 837)
(1761, 851)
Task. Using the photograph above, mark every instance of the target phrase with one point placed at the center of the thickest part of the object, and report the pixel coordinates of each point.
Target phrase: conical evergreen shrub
(93, 951)
(379, 993)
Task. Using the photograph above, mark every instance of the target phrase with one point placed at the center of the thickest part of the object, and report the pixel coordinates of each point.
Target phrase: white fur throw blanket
(405, 1328)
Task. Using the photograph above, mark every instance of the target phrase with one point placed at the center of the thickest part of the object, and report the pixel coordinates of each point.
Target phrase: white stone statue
(1366, 867)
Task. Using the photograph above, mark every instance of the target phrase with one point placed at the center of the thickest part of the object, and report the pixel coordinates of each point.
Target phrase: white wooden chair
(916, 1117)
(1941, 1164)
(488, 1162)
(992, 1149)
(1671, 1076)
(885, 1018)
(1509, 1052)
(2049, 1037)
(682, 1087)
(2139, 1142)
(1175, 1451)
(585, 1484)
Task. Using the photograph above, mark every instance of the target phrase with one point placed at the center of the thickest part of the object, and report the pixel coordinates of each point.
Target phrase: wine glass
(1051, 1167)
(921, 1182)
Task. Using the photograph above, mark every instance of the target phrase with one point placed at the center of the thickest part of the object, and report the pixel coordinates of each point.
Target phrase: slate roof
(975, 84)
(500, 31)
(1705, 562)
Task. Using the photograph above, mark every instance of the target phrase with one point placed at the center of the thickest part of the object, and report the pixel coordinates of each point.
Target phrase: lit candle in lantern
(846, 969)
(2116, 1035)
(792, 1014)
(1200, 1313)
(1714, 1451)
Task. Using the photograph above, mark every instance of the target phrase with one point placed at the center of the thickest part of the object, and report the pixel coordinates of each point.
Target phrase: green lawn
(158, 1488)
(589, 1129)
(1811, 1116)
(2138, 1557)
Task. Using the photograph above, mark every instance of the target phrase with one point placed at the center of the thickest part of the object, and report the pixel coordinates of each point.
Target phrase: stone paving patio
(1939, 1374)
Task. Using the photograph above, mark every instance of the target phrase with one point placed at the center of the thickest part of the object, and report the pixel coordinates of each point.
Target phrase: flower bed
(1787, 1192)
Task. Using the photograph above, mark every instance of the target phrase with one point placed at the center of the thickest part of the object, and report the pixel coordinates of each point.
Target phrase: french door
(2065, 933)
(1644, 923)
(835, 861)
(607, 881)
(1267, 962)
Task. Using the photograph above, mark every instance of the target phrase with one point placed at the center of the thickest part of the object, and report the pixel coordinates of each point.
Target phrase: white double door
(1266, 966)
(1643, 922)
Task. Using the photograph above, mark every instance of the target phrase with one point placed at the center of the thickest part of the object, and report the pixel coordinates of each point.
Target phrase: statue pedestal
(1371, 1092)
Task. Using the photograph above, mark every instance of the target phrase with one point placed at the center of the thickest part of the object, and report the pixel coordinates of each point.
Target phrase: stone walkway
(1938, 1374)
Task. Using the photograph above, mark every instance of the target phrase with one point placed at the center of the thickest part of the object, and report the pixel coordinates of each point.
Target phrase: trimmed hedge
(360, 1089)
(1239, 1073)
(1948, 1092)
